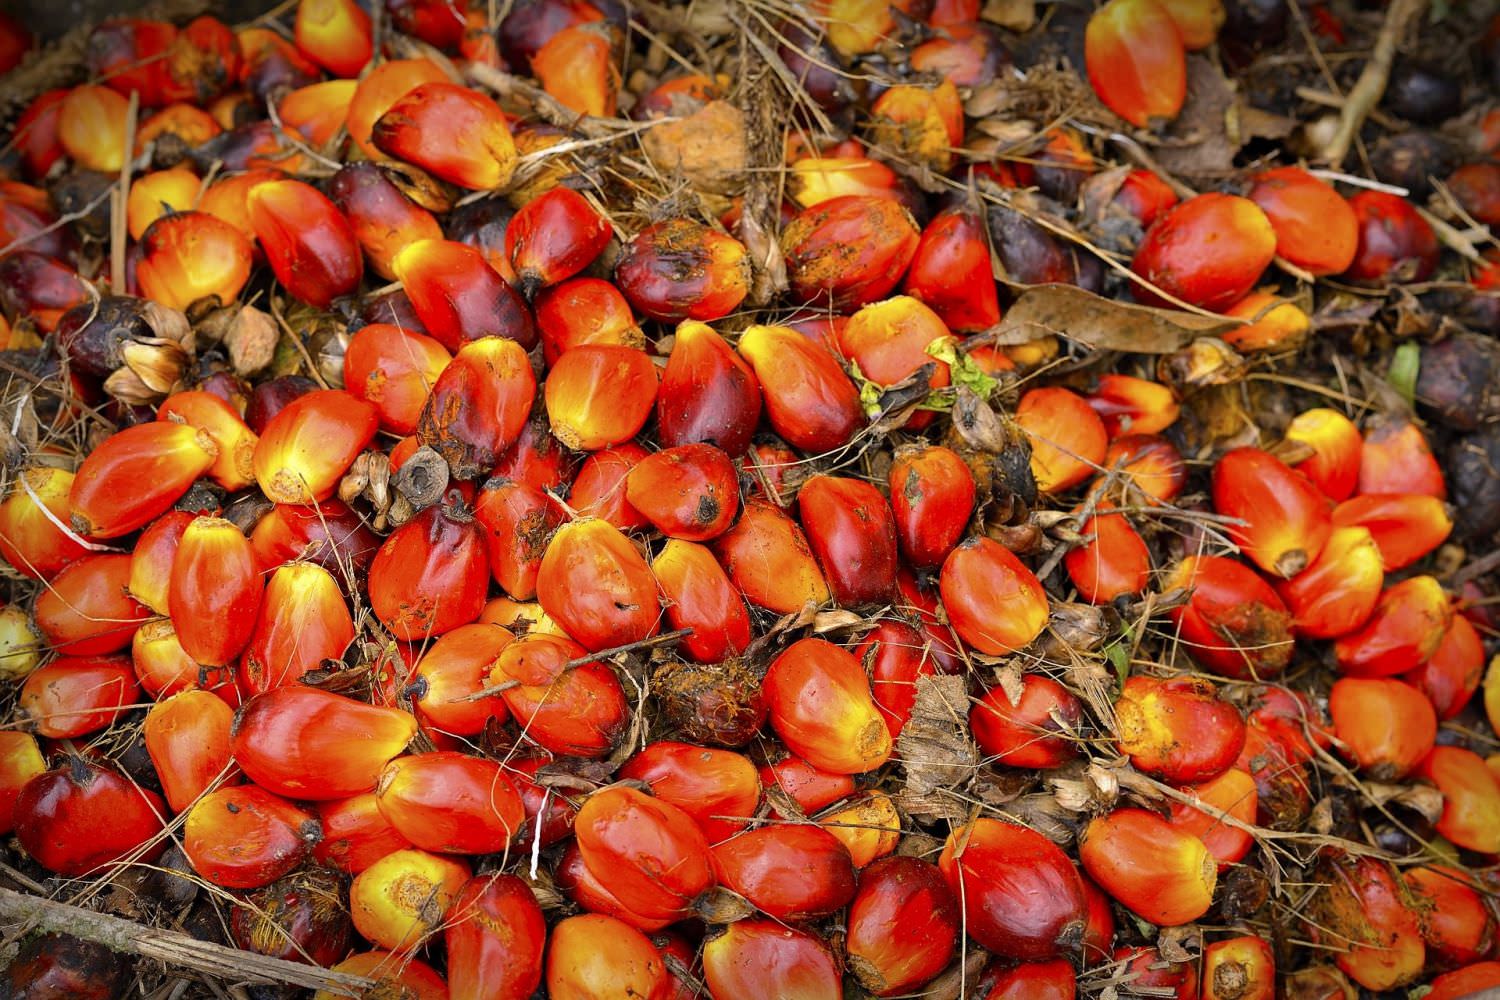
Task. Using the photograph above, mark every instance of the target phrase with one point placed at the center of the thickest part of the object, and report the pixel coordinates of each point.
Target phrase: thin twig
(629, 647)
(1370, 87)
(117, 233)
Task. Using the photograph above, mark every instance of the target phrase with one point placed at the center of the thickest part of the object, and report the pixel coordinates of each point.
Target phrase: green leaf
(962, 370)
(1406, 363)
(869, 392)
(1119, 658)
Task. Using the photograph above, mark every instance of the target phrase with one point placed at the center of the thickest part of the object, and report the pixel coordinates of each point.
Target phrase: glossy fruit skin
(1361, 904)
(450, 803)
(85, 610)
(156, 194)
(995, 604)
(790, 872)
(308, 242)
(708, 393)
(1068, 440)
(517, 520)
(430, 575)
(1316, 229)
(903, 926)
(1240, 968)
(460, 297)
(719, 789)
(1136, 61)
(312, 745)
(190, 256)
(577, 66)
(816, 246)
(761, 958)
(654, 858)
(1334, 465)
(394, 370)
(1396, 458)
(1471, 797)
(1020, 893)
(401, 899)
(1156, 870)
(382, 87)
(1173, 254)
(1465, 982)
(53, 966)
(698, 595)
(1232, 793)
(888, 342)
(1457, 925)
(690, 492)
(1283, 785)
(1233, 623)
(1337, 593)
(215, 592)
(553, 237)
(452, 132)
(932, 497)
(318, 112)
(91, 128)
(29, 541)
(1113, 563)
(584, 311)
(1406, 628)
(1149, 968)
(79, 817)
(383, 219)
(1178, 728)
(897, 656)
(187, 736)
(1405, 526)
(679, 269)
(1288, 520)
(808, 787)
(1395, 243)
(1453, 672)
(296, 918)
(328, 534)
(597, 586)
(1033, 732)
(853, 534)
(233, 469)
(35, 132)
(821, 707)
(494, 937)
(355, 834)
(335, 34)
(599, 395)
(1130, 405)
(565, 703)
(1054, 980)
(478, 405)
(243, 837)
(135, 476)
(20, 761)
(809, 400)
(311, 442)
(74, 696)
(950, 272)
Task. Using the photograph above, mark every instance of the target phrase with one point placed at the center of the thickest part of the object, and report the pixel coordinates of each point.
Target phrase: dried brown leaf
(1100, 323)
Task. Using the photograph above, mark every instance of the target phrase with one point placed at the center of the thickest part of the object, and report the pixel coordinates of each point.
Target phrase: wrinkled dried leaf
(251, 339)
(937, 752)
(1180, 944)
(1100, 323)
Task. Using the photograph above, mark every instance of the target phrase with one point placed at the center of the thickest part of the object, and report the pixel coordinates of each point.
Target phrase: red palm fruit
(478, 405)
(335, 34)
(1275, 757)
(1396, 458)
(439, 23)
(810, 788)
(1233, 794)
(816, 245)
(577, 66)
(431, 574)
(654, 857)
(584, 311)
(678, 269)
(80, 817)
(869, 826)
(1270, 323)
(74, 696)
(1470, 981)
(853, 534)
(553, 237)
(1150, 465)
(1160, 872)
(564, 703)
(789, 872)
(768, 558)
(1037, 730)
(297, 918)
(303, 622)
(549, 816)
(586, 891)
(1130, 405)
(1174, 254)
(1068, 440)
(382, 218)
(1136, 61)
(1316, 229)
(1405, 526)
(593, 957)
(233, 468)
(1233, 623)
(1406, 628)
(675, 947)
(1144, 966)
(1114, 562)
(318, 111)
(888, 340)
(187, 736)
(1145, 196)
(271, 65)
(328, 533)
(227, 198)
(1362, 911)
(494, 935)
(690, 492)
(517, 520)
(202, 62)
(1333, 466)
(1457, 925)
(85, 610)
(762, 958)
(91, 128)
(452, 132)
(1288, 520)
(136, 475)
(308, 242)
(537, 458)
(394, 370)
(1471, 797)
(20, 761)
(1021, 895)
(243, 837)
(951, 272)
(903, 926)
(597, 586)
(1337, 593)
(400, 900)
(599, 489)
(922, 123)
(1178, 729)
(896, 656)
(310, 744)
(1395, 242)
(156, 194)
(994, 603)
(1054, 980)
(164, 668)
(41, 287)
(450, 802)
(1292, 716)
(821, 707)
(699, 596)
(459, 296)
(215, 591)
(1452, 674)
(259, 145)
(1385, 725)
(719, 789)
(932, 497)
(355, 834)
(809, 400)
(35, 132)
(599, 395)
(770, 468)
(378, 90)
(1241, 968)
(31, 542)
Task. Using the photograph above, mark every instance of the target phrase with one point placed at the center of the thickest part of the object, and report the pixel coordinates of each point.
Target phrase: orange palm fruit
(450, 803)
(577, 66)
(73, 696)
(215, 591)
(719, 789)
(1145, 196)
(1039, 730)
(400, 900)
(1471, 797)
(599, 488)
(1233, 622)
(431, 574)
(85, 610)
(1315, 227)
(1457, 925)
(1334, 464)
(382, 218)
(815, 179)
(233, 469)
(1361, 909)
(453, 132)
(553, 237)
(923, 124)
(598, 395)
(888, 341)
(478, 405)
(592, 956)
(1156, 870)
(453, 669)
(897, 656)
(135, 475)
(763, 958)
(35, 132)
(355, 834)
(1287, 520)
(852, 532)
(20, 761)
(394, 370)
(869, 826)
(308, 242)
(809, 400)
(816, 245)
(790, 873)
(653, 856)
(1146, 967)
(1406, 628)
(1452, 674)
(518, 520)
(187, 736)
(271, 64)
(1469, 981)
(1198, 21)
(1405, 526)
(821, 707)
(244, 837)
(595, 583)
(459, 297)
(994, 602)
(768, 558)
(1232, 793)
(494, 936)
(1395, 242)
(80, 817)
(799, 783)
(1386, 725)
(1396, 458)
(699, 595)
(1114, 562)
(678, 269)
(564, 702)
(164, 668)
(581, 311)
(382, 87)
(1136, 61)
(932, 497)
(192, 125)
(32, 542)
(951, 272)
(91, 128)
(1130, 405)
(968, 52)
(308, 446)
(1239, 968)
(227, 197)
(156, 194)
(1068, 440)
(1173, 255)
(318, 111)
(303, 622)
(1021, 895)
(202, 62)
(1178, 728)
(903, 926)
(689, 492)
(309, 744)
(1271, 324)
(335, 34)
(1337, 592)
(327, 533)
